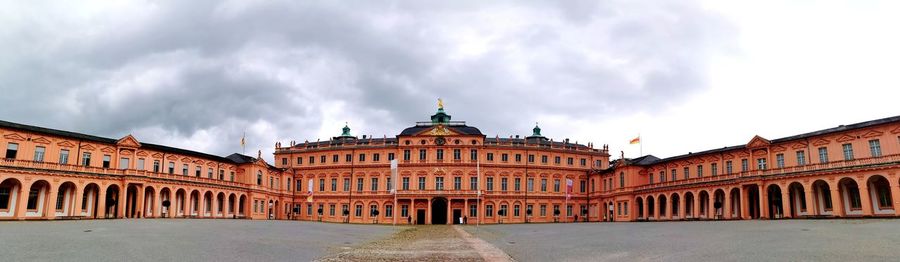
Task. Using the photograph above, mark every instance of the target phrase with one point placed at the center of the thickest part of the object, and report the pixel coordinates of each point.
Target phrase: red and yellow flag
(636, 140)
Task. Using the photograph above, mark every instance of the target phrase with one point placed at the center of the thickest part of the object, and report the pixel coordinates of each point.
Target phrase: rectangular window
(490, 156)
(745, 166)
(457, 183)
(556, 185)
(728, 169)
(569, 210)
(504, 157)
(503, 184)
(439, 155)
(358, 212)
(621, 181)
(714, 168)
(171, 167)
(405, 183)
(333, 184)
(39, 154)
(376, 157)
(662, 175)
(456, 154)
(388, 184)
(801, 158)
(543, 210)
(473, 183)
(823, 155)
(650, 178)
(473, 155)
(284, 161)
(140, 164)
(11, 150)
(518, 184)
(299, 160)
(198, 170)
(421, 183)
(106, 161)
(346, 184)
(556, 160)
(489, 210)
(64, 156)
(184, 169)
(519, 158)
(391, 156)
(848, 151)
(374, 184)
(700, 171)
(322, 159)
(422, 154)
(221, 174)
(404, 211)
(473, 211)
(761, 164)
(779, 160)
(583, 162)
(388, 211)
(687, 172)
(490, 184)
(530, 184)
(4, 198)
(406, 154)
(359, 184)
(543, 185)
(875, 148)
(515, 210)
(439, 183)
(312, 160)
(331, 209)
(570, 161)
(123, 163)
(362, 157)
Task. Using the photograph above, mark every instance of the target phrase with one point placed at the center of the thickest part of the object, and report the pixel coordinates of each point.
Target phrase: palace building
(448, 172)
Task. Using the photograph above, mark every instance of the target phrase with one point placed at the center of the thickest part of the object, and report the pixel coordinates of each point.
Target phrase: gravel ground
(783, 240)
(180, 240)
(418, 243)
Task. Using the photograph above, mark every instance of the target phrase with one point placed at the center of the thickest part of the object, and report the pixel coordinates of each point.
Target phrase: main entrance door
(457, 213)
(420, 216)
(439, 211)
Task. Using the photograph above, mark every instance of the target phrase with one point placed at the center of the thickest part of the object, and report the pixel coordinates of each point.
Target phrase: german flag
(636, 140)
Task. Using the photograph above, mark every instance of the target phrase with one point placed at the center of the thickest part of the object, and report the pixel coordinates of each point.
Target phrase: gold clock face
(440, 141)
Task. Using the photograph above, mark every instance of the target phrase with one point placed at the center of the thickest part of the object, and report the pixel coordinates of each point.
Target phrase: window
(744, 165)
(728, 168)
(543, 159)
(221, 174)
(503, 184)
(875, 148)
(346, 184)
(598, 163)
(374, 184)
(421, 183)
(372, 210)
(331, 209)
(490, 184)
(299, 160)
(359, 184)
(473, 154)
(259, 178)
(358, 212)
(543, 210)
(362, 157)
(457, 183)
(779, 160)
(232, 176)
(761, 164)
(32, 198)
(440, 154)
(391, 156)
(503, 211)
(404, 211)
(388, 184)
(543, 185)
(184, 169)
(405, 183)
(456, 154)
(284, 161)
(388, 211)
(651, 176)
(848, 151)
(801, 158)
(518, 184)
(687, 172)
(422, 154)
(823, 155)
(322, 159)
(583, 162)
(376, 157)
(489, 210)
(11, 150)
(39, 154)
(556, 185)
(504, 157)
(106, 161)
(570, 161)
(473, 211)
(473, 183)
(519, 158)
(140, 164)
(516, 210)
(621, 181)
(439, 183)
(662, 175)
(171, 167)
(321, 185)
(406, 155)
(4, 198)
(569, 210)
(715, 168)
(123, 163)
(700, 171)
(556, 160)
(530, 184)
(64, 156)
(490, 156)
(312, 160)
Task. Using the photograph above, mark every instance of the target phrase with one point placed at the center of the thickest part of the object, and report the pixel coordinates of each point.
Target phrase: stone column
(786, 204)
(428, 213)
(811, 206)
(465, 211)
(76, 205)
(727, 205)
(682, 206)
(895, 196)
(696, 204)
(139, 205)
(764, 204)
(837, 206)
(101, 203)
(186, 204)
(21, 206)
(50, 204)
(865, 199)
(450, 211)
(123, 192)
(745, 207)
(710, 206)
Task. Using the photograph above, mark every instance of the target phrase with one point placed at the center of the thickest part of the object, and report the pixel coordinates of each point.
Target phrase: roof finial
(346, 129)
(440, 103)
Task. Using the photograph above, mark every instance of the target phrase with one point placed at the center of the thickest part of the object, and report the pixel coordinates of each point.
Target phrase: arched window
(259, 178)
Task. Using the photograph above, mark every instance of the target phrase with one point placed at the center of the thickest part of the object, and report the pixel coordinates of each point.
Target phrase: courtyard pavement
(782, 240)
(244, 240)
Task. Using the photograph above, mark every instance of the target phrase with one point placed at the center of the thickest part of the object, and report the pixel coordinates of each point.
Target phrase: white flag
(394, 176)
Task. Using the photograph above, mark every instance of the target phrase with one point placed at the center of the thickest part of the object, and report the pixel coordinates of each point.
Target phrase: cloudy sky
(686, 75)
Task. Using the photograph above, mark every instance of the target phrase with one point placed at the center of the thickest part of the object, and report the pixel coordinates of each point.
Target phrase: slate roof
(461, 129)
(91, 138)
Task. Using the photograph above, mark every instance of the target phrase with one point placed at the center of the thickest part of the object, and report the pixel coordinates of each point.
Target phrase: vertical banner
(309, 191)
(394, 177)
(568, 188)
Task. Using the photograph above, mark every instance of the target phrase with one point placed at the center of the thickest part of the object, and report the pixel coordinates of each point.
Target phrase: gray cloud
(197, 74)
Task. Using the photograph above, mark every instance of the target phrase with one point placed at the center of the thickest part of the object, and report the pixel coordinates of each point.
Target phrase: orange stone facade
(448, 172)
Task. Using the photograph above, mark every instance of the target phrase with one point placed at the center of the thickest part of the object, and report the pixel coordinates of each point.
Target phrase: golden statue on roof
(440, 103)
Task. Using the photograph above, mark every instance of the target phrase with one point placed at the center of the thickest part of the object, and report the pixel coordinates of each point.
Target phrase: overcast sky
(686, 75)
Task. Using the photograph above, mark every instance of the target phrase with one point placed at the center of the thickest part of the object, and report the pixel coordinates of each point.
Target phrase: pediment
(65, 144)
(799, 146)
(845, 138)
(171, 157)
(821, 141)
(88, 147)
(438, 130)
(157, 155)
(872, 133)
(210, 163)
(108, 150)
(743, 154)
(779, 149)
(895, 130)
(128, 141)
(41, 140)
(185, 160)
(728, 156)
(712, 159)
(142, 153)
(759, 152)
(758, 141)
(14, 136)
(125, 153)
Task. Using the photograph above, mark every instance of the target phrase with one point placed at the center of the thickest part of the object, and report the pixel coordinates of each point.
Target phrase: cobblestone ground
(419, 243)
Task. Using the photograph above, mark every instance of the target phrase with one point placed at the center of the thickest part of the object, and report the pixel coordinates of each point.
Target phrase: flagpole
(641, 143)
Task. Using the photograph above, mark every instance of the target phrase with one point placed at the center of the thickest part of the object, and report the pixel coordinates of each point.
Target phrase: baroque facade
(449, 172)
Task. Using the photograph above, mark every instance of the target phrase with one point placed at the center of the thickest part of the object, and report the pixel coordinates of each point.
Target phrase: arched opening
(735, 203)
(180, 203)
(37, 199)
(719, 204)
(797, 195)
(662, 207)
(689, 205)
(89, 200)
(112, 202)
(207, 204)
(274, 214)
(220, 204)
(753, 201)
(242, 206)
(10, 191)
(704, 205)
(639, 206)
(880, 194)
(150, 202)
(165, 201)
(822, 198)
(675, 206)
(850, 196)
(230, 207)
(131, 200)
(776, 209)
(651, 208)
(65, 200)
(439, 211)
(194, 204)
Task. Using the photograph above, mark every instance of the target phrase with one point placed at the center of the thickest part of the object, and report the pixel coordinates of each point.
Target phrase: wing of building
(449, 172)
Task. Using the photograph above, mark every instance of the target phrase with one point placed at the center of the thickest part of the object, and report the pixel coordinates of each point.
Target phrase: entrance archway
(439, 211)
(776, 208)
